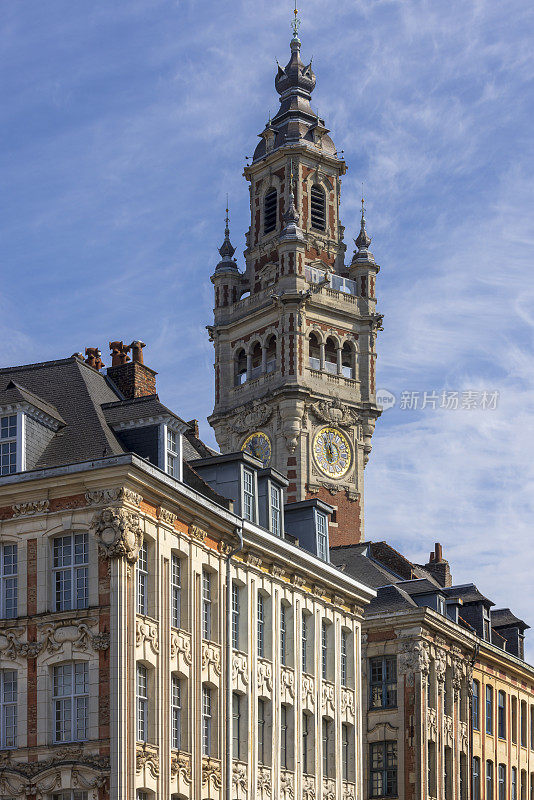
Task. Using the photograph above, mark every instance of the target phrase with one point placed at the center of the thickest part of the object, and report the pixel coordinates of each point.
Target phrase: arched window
(314, 352)
(318, 208)
(269, 211)
(240, 367)
(256, 361)
(270, 365)
(330, 356)
(347, 361)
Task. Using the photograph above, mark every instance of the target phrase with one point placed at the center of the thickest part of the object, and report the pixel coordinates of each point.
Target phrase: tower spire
(363, 241)
(295, 24)
(227, 250)
(291, 218)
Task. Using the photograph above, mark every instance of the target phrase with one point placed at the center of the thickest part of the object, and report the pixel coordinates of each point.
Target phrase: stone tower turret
(295, 333)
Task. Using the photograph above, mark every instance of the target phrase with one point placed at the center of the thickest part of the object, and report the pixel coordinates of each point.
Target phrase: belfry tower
(294, 334)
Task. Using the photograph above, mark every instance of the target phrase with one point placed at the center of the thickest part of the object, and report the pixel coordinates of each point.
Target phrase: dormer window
(8, 445)
(269, 211)
(322, 536)
(173, 454)
(318, 208)
(249, 496)
(276, 511)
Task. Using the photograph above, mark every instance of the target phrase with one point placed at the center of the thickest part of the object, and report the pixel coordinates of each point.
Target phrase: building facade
(163, 633)
(295, 332)
(448, 698)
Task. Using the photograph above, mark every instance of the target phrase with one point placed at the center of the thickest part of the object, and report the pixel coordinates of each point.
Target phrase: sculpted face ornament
(332, 453)
(119, 533)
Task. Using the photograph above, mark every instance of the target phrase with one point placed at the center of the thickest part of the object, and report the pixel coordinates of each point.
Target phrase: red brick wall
(348, 517)
(133, 379)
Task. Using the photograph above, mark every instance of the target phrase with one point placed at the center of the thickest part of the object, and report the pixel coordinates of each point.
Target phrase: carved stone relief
(118, 533)
(147, 756)
(181, 646)
(264, 678)
(211, 772)
(147, 632)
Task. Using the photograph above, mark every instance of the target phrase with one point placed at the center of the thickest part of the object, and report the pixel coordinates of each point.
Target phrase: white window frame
(172, 456)
(70, 794)
(18, 440)
(141, 571)
(344, 657)
(176, 591)
(324, 649)
(236, 726)
(250, 495)
(283, 634)
(322, 535)
(8, 708)
(72, 704)
(260, 610)
(206, 605)
(275, 499)
(235, 615)
(69, 575)
(176, 713)
(261, 730)
(304, 640)
(8, 581)
(141, 694)
(206, 721)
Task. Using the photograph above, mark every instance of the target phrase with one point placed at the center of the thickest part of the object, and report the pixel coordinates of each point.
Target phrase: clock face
(331, 450)
(258, 445)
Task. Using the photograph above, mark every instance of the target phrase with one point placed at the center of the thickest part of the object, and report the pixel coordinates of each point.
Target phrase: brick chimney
(132, 378)
(438, 567)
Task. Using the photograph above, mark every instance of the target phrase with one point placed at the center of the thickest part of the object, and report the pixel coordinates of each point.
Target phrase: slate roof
(420, 586)
(137, 409)
(359, 566)
(469, 594)
(504, 618)
(390, 598)
(13, 394)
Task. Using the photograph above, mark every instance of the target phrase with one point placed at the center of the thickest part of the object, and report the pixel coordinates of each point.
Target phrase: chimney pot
(94, 358)
(137, 351)
(119, 353)
(439, 552)
(132, 378)
(193, 423)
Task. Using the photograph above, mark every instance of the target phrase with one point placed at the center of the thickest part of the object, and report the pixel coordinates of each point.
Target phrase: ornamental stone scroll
(118, 532)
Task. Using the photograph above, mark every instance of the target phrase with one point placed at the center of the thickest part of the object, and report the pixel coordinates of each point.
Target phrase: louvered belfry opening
(318, 208)
(269, 215)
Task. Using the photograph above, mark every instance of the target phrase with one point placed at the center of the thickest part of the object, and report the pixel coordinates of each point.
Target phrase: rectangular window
(489, 780)
(475, 706)
(514, 783)
(176, 591)
(304, 641)
(261, 731)
(70, 701)
(173, 457)
(327, 728)
(206, 604)
(70, 795)
(248, 495)
(344, 638)
(345, 751)
(532, 728)
(383, 682)
(489, 711)
(70, 569)
(502, 782)
(276, 511)
(206, 721)
(283, 738)
(142, 580)
(176, 712)
(501, 715)
(8, 708)
(142, 703)
(383, 769)
(8, 581)
(8, 445)
(322, 536)
(236, 726)
(476, 778)
(283, 635)
(324, 650)
(305, 742)
(235, 616)
(523, 723)
(261, 626)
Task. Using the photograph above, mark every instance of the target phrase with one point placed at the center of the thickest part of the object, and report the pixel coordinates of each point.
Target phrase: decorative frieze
(327, 699)
(329, 789)
(166, 516)
(147, 757)
(264, 678)
(309, 791)
(31, 508)
(287, 785)
(181, 646)
(239, 671)
(146, 631)
(432, 724)
(287, 685)
(239, 780)
(211, 772)
(347, 703)
(414, 657)
(307, 685)
(195, 532)
(264, 783)
(181, 767)
(53, 638)
(211, 658)
(116, 494)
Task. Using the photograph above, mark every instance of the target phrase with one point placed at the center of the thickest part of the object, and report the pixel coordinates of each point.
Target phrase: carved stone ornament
(211, 772)
(328, 706)
(264, 781)
(287, 681)
(349, 791)
(118, 532)
(225, 548)
(414, 657)
(114, 495)
(329, 789)
(287, 786)
(239, 668)
(101, 641)
(147, 756)
(197, 533)
(264, 678)
(308, 788)
(181, 765)
(278, 572)
(432, 724)
(334, 412)
(250, 416)
(31, 508)
(298, 580)
(164, 515)
(464, 736)
(181, 645)
(347, 701)
(147, 632)
(239, 777)
(441, 665)
(211, 654)
(254, 561)
(52, 638)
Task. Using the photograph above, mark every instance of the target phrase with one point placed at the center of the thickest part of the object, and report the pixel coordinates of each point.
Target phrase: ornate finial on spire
(364, 240)
(295, 24)
(291, 229)
(226, 249)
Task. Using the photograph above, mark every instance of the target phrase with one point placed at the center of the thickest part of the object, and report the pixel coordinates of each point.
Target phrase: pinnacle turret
(227, 251)
(362, 242)
(291, 228)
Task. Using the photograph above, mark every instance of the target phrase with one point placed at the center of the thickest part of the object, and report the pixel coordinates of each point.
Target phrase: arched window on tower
(240, 367)
(256, 361)
(330, 356)
(269, 211)
(270, 355)
(347, 361)
(318, 208)
(314, 352)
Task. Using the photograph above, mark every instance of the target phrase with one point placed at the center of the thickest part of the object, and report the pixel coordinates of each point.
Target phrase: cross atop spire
(295, 24)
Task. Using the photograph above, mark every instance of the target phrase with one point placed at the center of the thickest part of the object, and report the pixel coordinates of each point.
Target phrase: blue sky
(124, 124)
